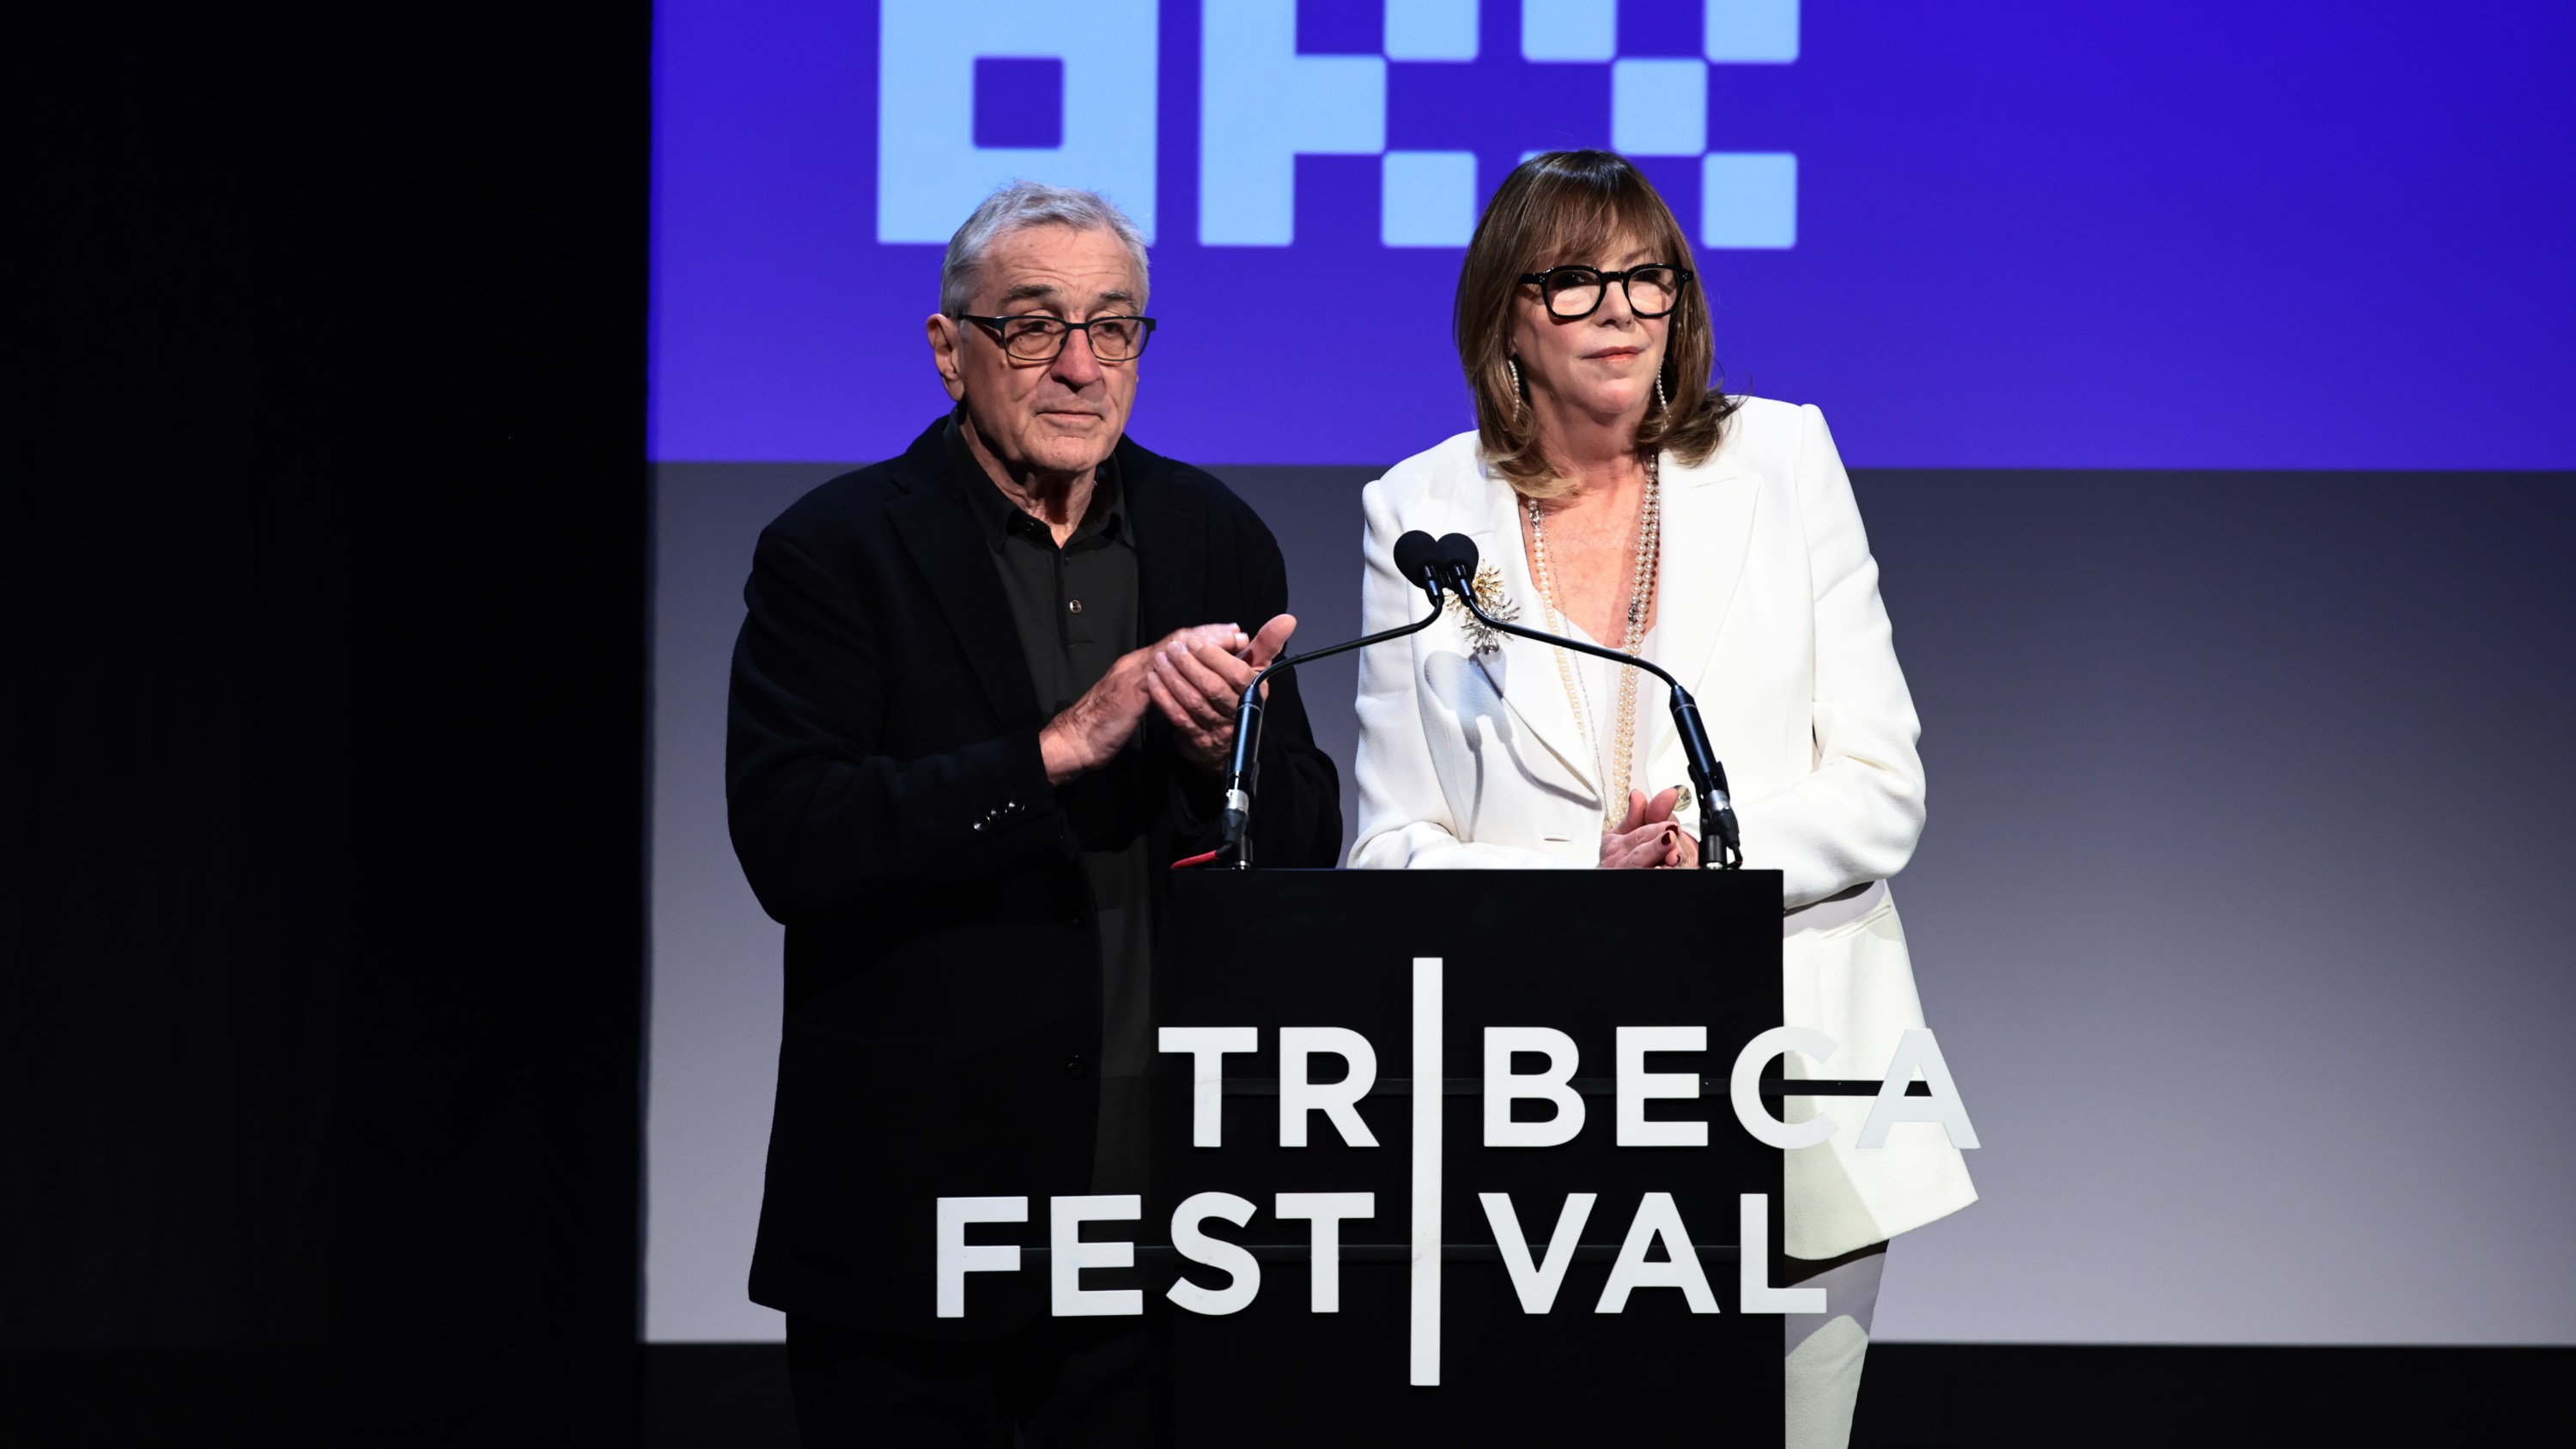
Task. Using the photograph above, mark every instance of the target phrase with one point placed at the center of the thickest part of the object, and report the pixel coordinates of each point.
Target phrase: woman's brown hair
(1568, 208)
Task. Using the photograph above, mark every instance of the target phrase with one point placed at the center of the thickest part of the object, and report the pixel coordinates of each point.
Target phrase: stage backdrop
(2192, 359)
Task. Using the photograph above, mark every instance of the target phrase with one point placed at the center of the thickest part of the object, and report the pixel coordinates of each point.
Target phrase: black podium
(1423, 961)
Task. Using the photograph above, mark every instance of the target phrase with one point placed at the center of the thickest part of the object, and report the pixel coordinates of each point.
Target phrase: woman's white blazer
(1769, 612)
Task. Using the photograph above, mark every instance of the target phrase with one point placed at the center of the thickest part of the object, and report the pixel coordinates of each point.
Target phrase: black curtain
(322, 904)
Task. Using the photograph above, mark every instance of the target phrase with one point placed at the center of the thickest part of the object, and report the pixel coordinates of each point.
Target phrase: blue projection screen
(2003, 235)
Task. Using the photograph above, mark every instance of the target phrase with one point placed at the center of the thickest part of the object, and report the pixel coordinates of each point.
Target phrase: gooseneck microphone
(1421, 563)
(1455, 561)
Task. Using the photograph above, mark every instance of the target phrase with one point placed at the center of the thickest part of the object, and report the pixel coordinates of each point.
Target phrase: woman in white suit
(1614, 494)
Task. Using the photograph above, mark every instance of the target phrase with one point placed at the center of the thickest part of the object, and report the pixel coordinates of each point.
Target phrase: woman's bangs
(1590, 219)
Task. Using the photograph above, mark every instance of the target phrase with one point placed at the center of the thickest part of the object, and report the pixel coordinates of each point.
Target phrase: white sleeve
(1856, 816)
(1405, 820)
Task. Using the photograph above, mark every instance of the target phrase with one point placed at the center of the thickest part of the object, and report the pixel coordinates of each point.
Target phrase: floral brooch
(1482, 637)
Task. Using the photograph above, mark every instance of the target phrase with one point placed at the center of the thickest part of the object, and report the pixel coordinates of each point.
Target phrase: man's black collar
(998, 516)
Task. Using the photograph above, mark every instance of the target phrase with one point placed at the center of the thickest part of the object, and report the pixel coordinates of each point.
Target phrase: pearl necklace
(1646, 564)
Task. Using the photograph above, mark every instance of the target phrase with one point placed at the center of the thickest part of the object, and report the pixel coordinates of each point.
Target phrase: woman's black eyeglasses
(1037, 338)
(1573, 292)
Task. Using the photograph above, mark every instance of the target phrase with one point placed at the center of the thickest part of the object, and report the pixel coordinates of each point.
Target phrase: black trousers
(1057, 1382)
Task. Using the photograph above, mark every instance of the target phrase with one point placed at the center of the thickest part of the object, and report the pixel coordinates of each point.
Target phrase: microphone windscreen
(1413, 553)
(1457, 555)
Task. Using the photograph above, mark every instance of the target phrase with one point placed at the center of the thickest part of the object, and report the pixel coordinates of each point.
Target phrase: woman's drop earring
(1518, 403)
(1662, 403)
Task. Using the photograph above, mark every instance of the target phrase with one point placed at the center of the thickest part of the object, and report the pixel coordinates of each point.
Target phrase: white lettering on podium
(1068, 1255)
(957, 1257)
(1744, 1087)
(1537, 1283)
(1423, 1367)
(1338, 1101)
(1208, 1047)
(1503, 1087)
(1657, 1220)
(1753, 1290)
(1637, 1085)
(1326, 1210)
(1917, 1051)
(1242, 1270)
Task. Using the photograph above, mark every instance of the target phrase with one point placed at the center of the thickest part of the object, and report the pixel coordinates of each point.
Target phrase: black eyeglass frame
(1064, 339)
(1682, 278)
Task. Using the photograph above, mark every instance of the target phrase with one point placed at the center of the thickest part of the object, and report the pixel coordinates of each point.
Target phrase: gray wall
(2243, 912)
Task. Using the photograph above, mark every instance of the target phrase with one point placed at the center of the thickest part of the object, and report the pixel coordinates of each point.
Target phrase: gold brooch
(1481, 636)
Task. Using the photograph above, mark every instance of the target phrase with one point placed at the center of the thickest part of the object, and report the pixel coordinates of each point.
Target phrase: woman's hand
(1647, 838)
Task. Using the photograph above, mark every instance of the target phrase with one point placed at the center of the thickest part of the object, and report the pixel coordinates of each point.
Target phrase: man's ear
(945, 336)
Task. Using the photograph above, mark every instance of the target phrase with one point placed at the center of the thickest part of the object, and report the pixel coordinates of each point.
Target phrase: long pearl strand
(1641, 596)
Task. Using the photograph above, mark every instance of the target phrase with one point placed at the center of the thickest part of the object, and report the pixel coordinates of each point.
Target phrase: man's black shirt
(1075, 610)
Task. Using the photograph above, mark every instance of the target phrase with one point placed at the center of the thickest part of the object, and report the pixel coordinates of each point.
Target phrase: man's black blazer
(889, 805)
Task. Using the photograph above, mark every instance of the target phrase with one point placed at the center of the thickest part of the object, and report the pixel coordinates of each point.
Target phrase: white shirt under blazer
(1769, 612)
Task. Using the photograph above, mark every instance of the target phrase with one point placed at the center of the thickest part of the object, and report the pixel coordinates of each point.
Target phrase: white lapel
(1708, 526)
(1524, 672)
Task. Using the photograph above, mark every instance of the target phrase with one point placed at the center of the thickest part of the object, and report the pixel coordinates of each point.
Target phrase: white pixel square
(1748, 199)
(1569, 29)
(1659, 107)
(1427, 198)
(1431, 29)
(1756, 32)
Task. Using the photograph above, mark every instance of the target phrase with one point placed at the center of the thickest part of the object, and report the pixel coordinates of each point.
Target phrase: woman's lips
(1615, 354)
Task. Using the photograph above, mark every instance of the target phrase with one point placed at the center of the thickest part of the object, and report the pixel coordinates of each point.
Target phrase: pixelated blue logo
(972, 93)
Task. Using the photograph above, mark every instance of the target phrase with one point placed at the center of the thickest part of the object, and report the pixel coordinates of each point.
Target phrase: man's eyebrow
(1044, 292)
(1027, 292)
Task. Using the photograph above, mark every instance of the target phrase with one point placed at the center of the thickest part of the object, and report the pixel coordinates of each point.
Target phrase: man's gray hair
(1024, 204)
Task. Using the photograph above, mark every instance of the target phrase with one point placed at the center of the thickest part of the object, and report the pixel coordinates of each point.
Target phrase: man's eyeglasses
(1573, 292)
(1037, 338)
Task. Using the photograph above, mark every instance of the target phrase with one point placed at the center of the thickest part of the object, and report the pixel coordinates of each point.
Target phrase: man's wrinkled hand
(1198, 684)
(1093, 729)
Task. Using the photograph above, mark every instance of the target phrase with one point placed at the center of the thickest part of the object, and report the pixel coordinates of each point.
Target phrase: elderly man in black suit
(981, 704)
